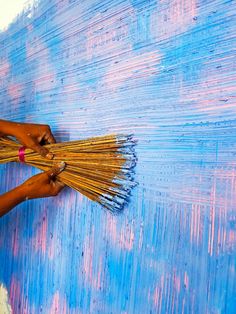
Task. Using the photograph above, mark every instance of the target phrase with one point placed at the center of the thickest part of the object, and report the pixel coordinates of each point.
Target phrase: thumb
(56, 169)
(41, 150)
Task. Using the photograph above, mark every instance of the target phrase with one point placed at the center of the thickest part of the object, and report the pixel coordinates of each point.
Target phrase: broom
(100, 168)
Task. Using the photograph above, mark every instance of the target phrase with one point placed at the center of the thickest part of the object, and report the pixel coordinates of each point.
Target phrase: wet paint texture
(165, 71)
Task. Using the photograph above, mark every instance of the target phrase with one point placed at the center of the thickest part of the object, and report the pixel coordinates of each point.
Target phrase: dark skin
(44, 184)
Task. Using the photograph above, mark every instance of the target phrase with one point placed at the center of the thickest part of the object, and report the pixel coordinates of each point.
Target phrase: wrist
(21, 193)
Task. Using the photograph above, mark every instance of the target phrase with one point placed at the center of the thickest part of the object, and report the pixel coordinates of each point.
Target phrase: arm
(29, 135)
(5, 127)
(42, 185)
(10, 199)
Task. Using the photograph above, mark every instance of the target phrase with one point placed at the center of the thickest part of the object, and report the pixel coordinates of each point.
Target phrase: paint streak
(173, 17)
(4, 68)
(58, 305)
(15, 294)
(132, 68)
(39, 242)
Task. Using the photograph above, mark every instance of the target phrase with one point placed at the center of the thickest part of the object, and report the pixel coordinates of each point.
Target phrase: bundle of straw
(100, 168)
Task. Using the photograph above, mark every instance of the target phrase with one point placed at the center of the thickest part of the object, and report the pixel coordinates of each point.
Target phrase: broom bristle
(100, 168)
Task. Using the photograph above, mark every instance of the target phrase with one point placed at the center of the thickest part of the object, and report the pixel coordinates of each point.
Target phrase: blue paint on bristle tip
(124, 180)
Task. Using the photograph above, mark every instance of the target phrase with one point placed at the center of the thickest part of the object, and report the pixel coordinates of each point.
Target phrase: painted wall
(164, 70)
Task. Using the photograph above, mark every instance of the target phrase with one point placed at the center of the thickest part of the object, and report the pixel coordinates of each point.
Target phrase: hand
(33, 135)
(44, 184)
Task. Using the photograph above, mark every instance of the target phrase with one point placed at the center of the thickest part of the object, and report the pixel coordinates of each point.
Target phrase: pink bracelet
(21, 154)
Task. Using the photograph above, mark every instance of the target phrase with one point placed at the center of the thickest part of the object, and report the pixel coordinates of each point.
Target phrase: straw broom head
(100, 168)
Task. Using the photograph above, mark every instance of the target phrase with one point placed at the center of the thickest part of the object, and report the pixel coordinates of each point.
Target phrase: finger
(41, 150)
(57, 187)
(56, 169)
(49, 138)
(33, 144)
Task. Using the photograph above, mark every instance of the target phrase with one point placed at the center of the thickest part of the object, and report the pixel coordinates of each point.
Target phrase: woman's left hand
(44, 184)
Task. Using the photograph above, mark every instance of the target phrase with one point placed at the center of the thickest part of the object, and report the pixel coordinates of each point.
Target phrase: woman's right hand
(30, 135)
(44, 184)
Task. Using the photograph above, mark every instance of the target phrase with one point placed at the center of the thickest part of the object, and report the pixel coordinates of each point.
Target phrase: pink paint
(140, 241)
(93, 274)
(35, 47)
(111, 228)
(133, 67)
(15, 294)
(191, 227)
(58, 305)
(15, 92)
(15, 242)
(183, 305)
(51, 249)
(26, 308)
(88, 265)
(39, 242)
(195, 226)
(126, 239)
(55, 304)
(4, 69)
(156, 296)
(30, 27)
(186, 280)
(212, 218)
(177, 283)
(205, 95)
(172, 19)
(231, 241)
(95, 45)
(63, 15)
(98, 280)
(45, 77)
(109, 39)
(162, 292)
(218, 238)
(44, 235)
(71, 87)
(88, 258)
(211, 231)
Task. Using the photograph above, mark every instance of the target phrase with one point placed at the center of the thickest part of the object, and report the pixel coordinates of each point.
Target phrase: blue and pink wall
(164, 70)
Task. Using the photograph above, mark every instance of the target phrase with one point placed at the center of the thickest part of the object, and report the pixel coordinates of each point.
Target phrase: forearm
(8, 127)
(11, 199)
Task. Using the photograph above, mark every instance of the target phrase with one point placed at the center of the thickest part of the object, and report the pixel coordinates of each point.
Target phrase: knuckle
(47, 127)
(42, 151)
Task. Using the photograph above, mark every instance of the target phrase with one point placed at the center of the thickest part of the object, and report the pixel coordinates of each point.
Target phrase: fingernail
(61, 165)
(49, 155)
